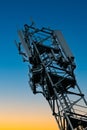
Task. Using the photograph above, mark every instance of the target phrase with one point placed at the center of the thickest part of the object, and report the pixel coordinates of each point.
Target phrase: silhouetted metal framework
(51, 73)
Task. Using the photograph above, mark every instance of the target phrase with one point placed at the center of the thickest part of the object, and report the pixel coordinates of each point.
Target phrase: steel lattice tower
(51, 73)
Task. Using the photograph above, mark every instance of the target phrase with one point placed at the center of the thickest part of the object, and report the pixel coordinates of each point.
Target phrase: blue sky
(69, 16)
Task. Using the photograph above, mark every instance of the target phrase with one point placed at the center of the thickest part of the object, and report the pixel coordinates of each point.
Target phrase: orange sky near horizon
(19, 115)
(26, 122)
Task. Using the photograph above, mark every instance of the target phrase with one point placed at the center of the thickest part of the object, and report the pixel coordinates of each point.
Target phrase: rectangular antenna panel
(21, 36)
(61, 41)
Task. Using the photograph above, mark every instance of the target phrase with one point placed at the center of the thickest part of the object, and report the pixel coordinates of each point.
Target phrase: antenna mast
(51, 73)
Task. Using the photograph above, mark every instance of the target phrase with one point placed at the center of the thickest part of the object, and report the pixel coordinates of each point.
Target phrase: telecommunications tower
(51, 73)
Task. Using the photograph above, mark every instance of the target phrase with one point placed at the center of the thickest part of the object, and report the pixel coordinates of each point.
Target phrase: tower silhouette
(51, 73)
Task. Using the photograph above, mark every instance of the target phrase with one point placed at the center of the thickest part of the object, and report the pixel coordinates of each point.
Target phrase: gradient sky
(19, 108)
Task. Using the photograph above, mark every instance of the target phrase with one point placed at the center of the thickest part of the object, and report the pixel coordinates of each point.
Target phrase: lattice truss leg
(51, 73)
